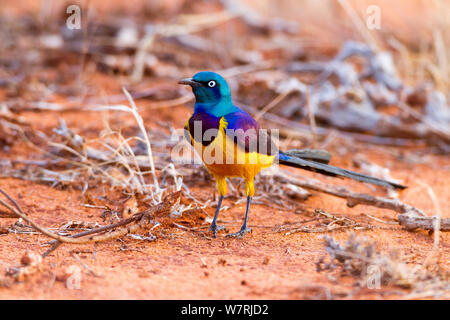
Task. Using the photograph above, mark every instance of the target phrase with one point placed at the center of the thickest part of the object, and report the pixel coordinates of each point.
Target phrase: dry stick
(14, 202)
(304, 129)
(440, 131)
(356, 20)
(272, 104)
(140, 123)
(409, 217)
(312, 119)
(55, 243)
(441, 55)
(93, 104)
(195, 24)
(144, 219)
(380, 220)
(84, 265)
(37, 226)
(7, 214)
(412, 222)
(171, 103)
(134, 111)
(75, 163)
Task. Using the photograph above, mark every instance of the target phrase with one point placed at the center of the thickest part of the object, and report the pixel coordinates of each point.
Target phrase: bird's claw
(239, 234)
(214, 228)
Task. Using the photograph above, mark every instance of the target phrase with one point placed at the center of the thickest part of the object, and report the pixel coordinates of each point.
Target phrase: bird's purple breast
(203, 127)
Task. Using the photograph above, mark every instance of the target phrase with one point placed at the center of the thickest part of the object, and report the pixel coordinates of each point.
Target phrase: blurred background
(414, 30)
(385, 61)
(89, 106)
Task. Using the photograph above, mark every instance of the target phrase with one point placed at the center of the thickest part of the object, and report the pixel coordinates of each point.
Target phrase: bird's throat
(218, 109)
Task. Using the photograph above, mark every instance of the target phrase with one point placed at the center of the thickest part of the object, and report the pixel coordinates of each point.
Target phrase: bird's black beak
(190, 82)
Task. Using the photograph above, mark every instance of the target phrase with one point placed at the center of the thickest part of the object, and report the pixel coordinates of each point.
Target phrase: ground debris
(94, 112)
(31, 263)
(361, 259)
(3, 229)
(322, 222)
(130, 225)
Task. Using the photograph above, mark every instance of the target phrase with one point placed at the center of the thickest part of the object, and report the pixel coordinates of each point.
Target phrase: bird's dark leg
(244, 228)
(214, 228)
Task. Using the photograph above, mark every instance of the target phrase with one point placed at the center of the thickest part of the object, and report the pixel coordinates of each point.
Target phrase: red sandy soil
(187, 265)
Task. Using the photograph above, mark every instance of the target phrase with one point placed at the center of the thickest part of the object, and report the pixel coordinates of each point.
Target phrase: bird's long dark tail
(317, 161)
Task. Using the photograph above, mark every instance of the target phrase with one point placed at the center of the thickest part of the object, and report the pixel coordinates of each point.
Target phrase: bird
(231, 143)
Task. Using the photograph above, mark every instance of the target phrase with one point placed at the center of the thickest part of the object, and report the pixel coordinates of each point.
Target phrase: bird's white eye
(212, 84)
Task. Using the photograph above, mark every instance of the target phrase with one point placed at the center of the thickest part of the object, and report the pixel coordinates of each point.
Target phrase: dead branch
(353, 104)
(409, 217)
(412, 222)
(256, 21)
(305, 130)
(131, 225)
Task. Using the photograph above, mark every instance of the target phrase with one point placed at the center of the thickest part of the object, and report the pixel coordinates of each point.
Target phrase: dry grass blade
(140, 122)
(137, 222)
(360, 258)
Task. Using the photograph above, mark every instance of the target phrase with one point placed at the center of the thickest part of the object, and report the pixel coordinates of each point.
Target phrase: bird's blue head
(212, 93)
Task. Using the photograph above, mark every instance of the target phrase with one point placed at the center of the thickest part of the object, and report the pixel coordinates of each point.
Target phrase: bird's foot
(239, 234)
(214, 228)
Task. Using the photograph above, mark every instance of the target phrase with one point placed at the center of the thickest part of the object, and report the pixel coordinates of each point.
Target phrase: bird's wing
(247, 134)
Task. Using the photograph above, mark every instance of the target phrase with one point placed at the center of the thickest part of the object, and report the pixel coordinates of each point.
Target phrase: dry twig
(409, 216)
(130, 225)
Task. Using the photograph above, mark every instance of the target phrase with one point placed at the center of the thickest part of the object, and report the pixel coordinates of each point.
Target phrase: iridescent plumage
(232, 144)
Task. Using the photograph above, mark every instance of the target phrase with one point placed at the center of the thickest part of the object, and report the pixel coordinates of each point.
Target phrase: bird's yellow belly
(224, 158)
